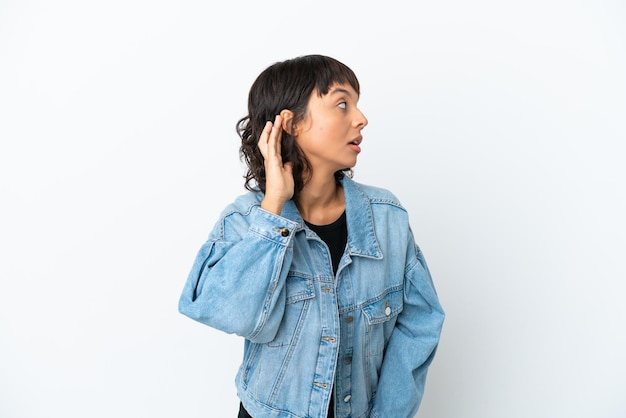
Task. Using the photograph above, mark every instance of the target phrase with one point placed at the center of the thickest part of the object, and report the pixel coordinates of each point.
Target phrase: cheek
(332, 129)
(320, 129)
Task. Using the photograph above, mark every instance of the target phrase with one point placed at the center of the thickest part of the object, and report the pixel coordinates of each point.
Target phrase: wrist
(272, 205)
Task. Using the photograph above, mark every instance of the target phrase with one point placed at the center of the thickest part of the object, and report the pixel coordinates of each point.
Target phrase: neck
(321, 201)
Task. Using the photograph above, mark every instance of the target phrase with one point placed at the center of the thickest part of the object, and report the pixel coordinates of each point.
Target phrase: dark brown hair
(286, 85)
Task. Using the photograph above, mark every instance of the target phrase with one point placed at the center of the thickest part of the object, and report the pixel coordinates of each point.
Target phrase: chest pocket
(299, 292)
(298, 288)
(380, 316)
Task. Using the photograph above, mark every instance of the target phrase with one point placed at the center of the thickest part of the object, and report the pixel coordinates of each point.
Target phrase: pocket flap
(384, 308)
(299, 288)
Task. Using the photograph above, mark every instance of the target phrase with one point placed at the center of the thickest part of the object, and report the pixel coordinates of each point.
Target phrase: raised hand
(279, 183)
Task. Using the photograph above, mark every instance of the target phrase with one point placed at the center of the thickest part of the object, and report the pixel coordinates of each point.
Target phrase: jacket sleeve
(237, 281)
(412, 344)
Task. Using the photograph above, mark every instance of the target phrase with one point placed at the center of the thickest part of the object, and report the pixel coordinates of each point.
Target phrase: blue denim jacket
(369, 333)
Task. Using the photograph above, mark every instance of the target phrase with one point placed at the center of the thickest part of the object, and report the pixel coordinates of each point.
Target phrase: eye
(342, 105)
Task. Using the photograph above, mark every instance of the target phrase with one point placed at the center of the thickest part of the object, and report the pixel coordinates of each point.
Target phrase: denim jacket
(368, 333)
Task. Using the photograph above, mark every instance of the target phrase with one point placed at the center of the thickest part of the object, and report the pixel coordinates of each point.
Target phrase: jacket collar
(362, 239)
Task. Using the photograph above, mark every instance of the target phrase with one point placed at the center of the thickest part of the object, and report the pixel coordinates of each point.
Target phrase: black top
(335, 235)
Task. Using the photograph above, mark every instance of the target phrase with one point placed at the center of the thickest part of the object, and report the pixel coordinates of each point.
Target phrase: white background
(499, 124)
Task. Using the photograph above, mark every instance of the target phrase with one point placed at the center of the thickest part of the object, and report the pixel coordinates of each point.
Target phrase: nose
(360, 121)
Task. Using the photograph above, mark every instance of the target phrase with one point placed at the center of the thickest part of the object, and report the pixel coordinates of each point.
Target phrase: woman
(319, 274)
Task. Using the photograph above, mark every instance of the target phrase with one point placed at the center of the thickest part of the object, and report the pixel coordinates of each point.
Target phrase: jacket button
(347, 398)
(348, 360)
(387, 311)
(284, 232)
(349, 319)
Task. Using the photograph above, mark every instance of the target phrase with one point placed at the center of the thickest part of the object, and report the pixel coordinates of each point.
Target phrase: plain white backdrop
(500, 125)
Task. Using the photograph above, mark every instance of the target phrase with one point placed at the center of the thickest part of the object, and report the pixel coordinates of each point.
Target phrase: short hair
(287, 85)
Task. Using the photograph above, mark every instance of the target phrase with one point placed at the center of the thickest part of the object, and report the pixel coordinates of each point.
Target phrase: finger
(275, 136)
(264, 138)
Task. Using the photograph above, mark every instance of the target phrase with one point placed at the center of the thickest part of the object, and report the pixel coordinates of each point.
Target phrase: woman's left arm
(413, 342)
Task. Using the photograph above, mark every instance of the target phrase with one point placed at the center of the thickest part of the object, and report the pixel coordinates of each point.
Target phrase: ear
(287, 117)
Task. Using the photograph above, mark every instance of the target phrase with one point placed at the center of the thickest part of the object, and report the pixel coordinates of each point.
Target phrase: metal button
(282, 231)
(348, 360)
(387, 311)
(349, 319)
(347, 398)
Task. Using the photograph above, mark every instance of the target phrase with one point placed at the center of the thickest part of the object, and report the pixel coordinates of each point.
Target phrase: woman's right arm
(238, 285)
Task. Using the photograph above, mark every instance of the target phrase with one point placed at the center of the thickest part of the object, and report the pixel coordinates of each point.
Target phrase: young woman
(319, 274)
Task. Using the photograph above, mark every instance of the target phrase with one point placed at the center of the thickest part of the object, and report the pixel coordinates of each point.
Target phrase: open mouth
(357, 141)
(354, 144)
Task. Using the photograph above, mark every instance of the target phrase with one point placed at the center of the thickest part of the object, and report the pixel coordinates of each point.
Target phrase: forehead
(340, 89)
